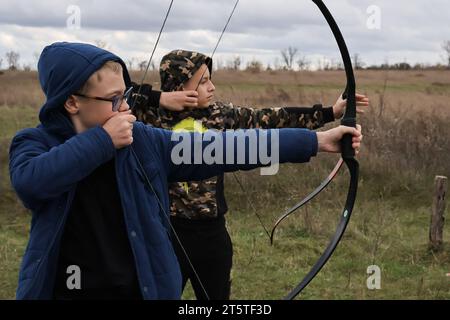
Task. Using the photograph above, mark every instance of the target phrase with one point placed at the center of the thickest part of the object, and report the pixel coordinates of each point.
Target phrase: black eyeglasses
(116, 100)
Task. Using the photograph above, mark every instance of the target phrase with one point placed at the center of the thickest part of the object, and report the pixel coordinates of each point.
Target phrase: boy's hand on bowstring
(120, 128)
(362, 101)
(178, 100)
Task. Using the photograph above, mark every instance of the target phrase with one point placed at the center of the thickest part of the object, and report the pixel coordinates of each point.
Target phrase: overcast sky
(378, 30)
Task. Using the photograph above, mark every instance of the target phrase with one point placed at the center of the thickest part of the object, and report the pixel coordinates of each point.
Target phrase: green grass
(381, 232)
(408, 270)
(14, 218)
(14, 228)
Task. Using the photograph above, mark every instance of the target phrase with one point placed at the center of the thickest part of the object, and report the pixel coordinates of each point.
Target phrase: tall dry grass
(406, 128)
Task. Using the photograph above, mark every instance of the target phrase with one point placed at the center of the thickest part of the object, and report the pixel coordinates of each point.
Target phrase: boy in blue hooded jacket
(96, 181)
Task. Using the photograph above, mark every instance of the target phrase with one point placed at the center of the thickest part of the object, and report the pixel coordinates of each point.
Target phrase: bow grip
(346, 143)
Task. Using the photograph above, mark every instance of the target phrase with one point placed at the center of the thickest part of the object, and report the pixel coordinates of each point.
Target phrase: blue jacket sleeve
(38, 172)
(290, 145)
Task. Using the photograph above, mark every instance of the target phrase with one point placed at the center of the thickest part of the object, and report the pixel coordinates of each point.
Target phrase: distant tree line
(290, 59)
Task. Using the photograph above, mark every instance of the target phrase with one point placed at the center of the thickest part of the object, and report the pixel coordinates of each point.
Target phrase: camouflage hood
(178, 66)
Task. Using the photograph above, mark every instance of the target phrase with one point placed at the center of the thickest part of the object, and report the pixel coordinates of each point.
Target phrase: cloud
(411, 31)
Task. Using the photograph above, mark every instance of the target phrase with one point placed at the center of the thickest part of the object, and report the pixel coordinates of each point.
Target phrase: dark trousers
(210, 250)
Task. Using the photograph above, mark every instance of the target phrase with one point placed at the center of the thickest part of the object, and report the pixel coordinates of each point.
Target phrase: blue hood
(63, 69)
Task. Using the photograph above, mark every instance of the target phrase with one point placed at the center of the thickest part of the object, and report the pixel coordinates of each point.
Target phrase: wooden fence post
(437, 213)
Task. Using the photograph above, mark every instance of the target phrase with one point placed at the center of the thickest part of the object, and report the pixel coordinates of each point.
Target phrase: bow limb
(347, 153)
(306, 199)
(353, 166)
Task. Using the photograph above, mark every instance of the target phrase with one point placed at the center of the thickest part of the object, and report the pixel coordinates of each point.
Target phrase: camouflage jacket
(205, 199)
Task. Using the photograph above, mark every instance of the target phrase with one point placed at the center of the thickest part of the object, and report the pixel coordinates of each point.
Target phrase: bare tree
(327, 64)
(254, 66)
(319, 64)
(142, 65)
(234, 64)
(288, 56)
(1, 62)
(12, 59)
(323, 63)
(130, 63)
(218, 65)
(276, 64)
(237, 63)
(446, 47)
(303, 63)
(357, 62)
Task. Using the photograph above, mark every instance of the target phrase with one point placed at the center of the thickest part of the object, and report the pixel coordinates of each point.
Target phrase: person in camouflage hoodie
(198, 207)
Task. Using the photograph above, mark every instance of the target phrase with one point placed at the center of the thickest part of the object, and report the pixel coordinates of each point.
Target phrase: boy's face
(91, 112)
(205, 89)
